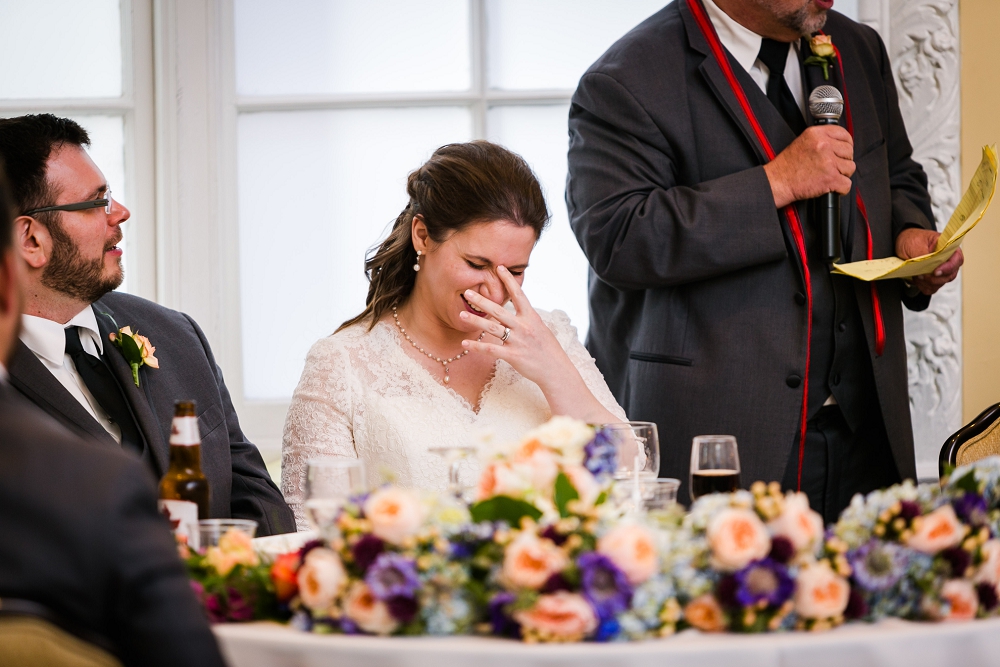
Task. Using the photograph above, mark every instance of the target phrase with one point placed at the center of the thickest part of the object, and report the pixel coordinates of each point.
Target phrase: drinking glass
(330, 482)
(637, 449)
(715, 465)
(659, 494)
(211, 530)
(453, 456)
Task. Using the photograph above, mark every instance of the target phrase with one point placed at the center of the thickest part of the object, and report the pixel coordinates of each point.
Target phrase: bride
(448, 351)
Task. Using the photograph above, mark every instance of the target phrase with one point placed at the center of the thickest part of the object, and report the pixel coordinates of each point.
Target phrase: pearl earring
(416, 267)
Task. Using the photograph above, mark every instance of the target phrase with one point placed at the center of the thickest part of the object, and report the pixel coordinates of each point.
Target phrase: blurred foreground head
(11, 299)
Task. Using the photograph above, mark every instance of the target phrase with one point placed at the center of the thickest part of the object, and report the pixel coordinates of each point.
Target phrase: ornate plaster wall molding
(922, 39)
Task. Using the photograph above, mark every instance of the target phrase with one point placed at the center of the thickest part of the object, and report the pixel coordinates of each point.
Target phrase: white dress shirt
(47, 340)
(744, 44)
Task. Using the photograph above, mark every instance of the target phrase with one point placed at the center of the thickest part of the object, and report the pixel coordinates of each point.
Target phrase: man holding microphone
(696, 173)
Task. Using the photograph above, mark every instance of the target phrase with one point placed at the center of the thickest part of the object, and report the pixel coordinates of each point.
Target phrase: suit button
(835, 379)
(800, 298)
(842, 326)
(793, 381)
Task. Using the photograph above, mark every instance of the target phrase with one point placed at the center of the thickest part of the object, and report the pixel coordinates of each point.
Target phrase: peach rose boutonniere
(823, 53)
(136, 349)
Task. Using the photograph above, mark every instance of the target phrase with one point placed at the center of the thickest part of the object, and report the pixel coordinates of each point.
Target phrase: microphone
(826, 104)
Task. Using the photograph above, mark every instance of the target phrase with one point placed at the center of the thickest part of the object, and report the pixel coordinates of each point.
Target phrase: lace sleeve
(318, 421)
(565, 332)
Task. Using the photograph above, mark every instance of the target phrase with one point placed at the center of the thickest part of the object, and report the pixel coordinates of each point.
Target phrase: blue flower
(604, 586)
(878, 566)
(600, 456)
(607, 630)
(971, 509)
(503, 624)
(391, 576)
(764, 581)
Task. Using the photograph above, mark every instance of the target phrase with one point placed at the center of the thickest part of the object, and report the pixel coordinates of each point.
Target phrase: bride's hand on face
(531, 347)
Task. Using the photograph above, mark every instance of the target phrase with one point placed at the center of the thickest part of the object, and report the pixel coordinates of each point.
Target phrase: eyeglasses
(104, 202)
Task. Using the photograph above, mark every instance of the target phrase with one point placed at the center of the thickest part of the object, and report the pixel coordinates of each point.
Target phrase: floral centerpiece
(231, 581)
(924, 552)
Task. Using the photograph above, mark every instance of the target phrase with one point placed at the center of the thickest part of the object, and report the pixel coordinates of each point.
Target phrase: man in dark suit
(82, 539)
(67, 231)
(700, 300)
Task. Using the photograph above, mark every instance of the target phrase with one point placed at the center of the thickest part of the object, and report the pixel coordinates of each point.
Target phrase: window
(338, 101)
(92, 62)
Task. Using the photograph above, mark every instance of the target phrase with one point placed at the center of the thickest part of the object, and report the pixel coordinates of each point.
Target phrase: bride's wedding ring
(505, 336)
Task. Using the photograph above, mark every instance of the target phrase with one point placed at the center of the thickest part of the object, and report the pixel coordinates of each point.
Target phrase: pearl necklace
(443, 362)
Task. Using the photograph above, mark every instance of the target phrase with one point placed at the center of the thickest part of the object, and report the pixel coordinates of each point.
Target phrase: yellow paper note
(970, 211)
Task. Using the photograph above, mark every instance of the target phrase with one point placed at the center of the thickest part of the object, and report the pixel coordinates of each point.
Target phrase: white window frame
(135, 106)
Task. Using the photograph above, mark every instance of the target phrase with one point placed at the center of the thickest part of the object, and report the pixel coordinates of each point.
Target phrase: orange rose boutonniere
(136, 349)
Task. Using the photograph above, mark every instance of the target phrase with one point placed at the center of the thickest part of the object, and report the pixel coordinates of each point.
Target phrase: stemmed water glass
(453, 456)
(330, 483)
(637, 459)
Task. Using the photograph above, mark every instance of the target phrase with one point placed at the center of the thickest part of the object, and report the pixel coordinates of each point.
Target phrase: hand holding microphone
(826, 104)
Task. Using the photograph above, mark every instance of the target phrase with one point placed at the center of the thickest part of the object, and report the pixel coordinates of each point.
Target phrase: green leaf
(565, 492)
(504, 508)
(601, 499)
(967, 482)
(132, 353)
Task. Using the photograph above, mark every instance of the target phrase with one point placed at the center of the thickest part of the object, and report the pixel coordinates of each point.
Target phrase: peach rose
(561, 616)
(633, 549)
(936, 531)
(538, 461)
(500, 479)
(962, 598)
(395, 514)
(704, 613)
(371, 614)
(529, 561)
(584, 483)
(321, 579)
(822, 46)
(235, 548)
(800, 525)
(737, 537)
(820, 593)
(147, 350)
(989, 569)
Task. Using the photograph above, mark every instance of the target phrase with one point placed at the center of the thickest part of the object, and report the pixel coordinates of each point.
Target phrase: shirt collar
(742, 42)
(47, 338)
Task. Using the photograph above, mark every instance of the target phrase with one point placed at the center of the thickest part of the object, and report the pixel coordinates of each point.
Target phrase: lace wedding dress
(362, 396)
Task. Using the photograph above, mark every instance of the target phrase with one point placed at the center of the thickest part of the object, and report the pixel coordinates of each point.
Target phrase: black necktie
(105, 388)
(774, 54)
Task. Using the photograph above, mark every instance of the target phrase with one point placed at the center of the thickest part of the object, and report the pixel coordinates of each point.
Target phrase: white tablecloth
(891, 642)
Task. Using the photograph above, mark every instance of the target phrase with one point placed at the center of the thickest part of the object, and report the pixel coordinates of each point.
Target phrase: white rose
(321, 579)
(737, 537)
(565, 435)
(395, 514)
(800, 525)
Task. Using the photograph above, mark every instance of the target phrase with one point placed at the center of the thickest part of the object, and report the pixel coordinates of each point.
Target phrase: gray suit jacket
(239, 483)
(697, 304)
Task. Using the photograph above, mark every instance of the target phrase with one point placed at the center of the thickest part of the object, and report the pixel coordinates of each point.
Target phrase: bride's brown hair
(460, 185)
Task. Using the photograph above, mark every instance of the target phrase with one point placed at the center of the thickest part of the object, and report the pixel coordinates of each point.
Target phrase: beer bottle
(184, 491)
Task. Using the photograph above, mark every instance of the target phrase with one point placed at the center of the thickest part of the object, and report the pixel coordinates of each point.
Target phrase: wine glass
(715, 465)
(453, 456)
(330, 483)
(637, 449)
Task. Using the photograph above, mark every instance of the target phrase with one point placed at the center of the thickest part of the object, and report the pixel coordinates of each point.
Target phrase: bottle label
(184, 432)
(183, 517)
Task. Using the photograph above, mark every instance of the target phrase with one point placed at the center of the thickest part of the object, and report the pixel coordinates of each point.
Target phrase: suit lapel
(136, 397)
(35, 381)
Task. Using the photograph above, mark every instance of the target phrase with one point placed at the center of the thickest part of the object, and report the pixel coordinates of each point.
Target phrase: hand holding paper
(970, 211)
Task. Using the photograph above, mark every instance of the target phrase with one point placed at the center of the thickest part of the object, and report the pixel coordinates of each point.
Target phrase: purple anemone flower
(604, 586)
(971, 508)
(392, 575)
(878, 566)
(366, 550)
(764, 581)
(503, 624)
(403, 609)
(600, 456)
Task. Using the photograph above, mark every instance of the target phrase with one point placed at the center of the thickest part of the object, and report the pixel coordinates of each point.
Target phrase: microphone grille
(826, 102)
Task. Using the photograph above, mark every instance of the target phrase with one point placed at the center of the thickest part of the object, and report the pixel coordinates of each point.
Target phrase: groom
(67, 231)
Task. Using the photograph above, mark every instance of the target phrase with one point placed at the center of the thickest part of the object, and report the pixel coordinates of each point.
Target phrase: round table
(891, 642)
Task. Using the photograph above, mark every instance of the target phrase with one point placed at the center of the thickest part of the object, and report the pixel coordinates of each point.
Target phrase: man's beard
(801, 20)
(74, 276)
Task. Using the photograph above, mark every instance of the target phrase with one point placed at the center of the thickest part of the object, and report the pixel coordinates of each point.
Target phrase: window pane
(345, 46)
(551, 43)
(107, 150)
(316, 190)
(557, 274)
(60, 48)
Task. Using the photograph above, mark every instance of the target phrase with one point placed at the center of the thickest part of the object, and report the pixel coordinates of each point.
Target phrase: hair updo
(460, 185)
